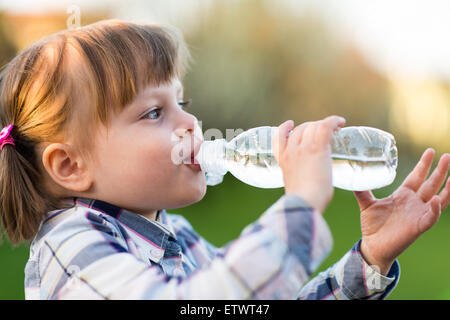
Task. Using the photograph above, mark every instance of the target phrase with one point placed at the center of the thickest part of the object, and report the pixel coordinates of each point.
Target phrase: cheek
(137, 161)
(152, 163)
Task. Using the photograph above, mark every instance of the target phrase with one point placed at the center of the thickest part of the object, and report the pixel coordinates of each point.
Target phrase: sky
(405, 36)
(398, 36)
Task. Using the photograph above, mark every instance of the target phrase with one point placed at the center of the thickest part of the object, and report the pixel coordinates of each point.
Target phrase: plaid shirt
(96, 250)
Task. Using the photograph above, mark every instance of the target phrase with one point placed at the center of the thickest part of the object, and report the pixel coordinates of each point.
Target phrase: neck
(150, 215)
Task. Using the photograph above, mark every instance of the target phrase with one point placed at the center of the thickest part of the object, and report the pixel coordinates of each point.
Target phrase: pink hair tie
(5, 137)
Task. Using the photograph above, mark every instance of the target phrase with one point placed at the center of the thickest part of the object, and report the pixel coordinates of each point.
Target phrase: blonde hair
(41, 92)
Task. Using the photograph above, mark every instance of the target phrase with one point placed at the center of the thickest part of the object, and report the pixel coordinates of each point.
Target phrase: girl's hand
(392, 224)
(305, 159)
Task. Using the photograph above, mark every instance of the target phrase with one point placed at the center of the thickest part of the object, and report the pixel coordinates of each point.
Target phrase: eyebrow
(179, 92)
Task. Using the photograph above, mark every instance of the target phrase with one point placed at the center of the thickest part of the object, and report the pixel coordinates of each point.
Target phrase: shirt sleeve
(271, 259)
(351, 278)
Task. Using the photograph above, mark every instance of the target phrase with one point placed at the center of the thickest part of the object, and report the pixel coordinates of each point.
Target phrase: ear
(66, 168)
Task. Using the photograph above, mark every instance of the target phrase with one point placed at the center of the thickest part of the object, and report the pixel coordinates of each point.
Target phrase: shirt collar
(159, 233)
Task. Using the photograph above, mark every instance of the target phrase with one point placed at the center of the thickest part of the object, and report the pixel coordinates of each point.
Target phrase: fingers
(434, 182)
(431, 216)
(310, 133)
(365, 199)
(445, 195)
(280, 138)
(416, 177)
(319, 133)
(326, 129)
(315, 132)
(435, 205)
(297, 134)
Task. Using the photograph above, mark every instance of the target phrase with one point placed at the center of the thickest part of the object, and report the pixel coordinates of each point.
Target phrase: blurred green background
(261, 62)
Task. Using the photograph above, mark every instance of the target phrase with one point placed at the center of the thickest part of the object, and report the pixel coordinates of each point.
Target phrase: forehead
(154, 93)
(174, 86)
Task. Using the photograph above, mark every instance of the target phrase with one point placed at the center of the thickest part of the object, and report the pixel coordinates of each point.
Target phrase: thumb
(364, 198)
(279, 139)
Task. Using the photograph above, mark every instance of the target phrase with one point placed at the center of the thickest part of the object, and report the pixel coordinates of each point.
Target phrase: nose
(189, 137)
(188, 126)
(182, 132)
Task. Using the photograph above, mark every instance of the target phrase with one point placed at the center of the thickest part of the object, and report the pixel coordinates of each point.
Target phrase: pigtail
(21, 205)
(23, 200)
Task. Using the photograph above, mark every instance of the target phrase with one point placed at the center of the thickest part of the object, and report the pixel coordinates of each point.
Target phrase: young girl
(91, 117)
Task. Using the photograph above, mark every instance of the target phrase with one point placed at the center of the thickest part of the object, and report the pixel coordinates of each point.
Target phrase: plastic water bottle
(364, 158)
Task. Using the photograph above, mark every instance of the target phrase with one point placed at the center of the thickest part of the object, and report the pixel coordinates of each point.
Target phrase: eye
(155, 113)
(152, 114)
(184, 104)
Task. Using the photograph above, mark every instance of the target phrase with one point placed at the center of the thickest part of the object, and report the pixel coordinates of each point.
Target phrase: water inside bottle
(363, 159)
(255, 167)
(361, 173)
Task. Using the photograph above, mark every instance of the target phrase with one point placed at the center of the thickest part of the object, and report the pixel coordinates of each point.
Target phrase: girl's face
(141, 162)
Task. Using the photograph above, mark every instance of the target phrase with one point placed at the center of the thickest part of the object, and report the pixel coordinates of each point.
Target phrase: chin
(191, 196)
(198, 193)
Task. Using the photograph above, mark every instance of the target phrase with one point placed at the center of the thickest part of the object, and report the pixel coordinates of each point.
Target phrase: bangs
(123, 58)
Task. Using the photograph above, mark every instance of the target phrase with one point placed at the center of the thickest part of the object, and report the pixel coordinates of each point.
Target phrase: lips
(193, 157)
(195, 148)
(193, 164)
